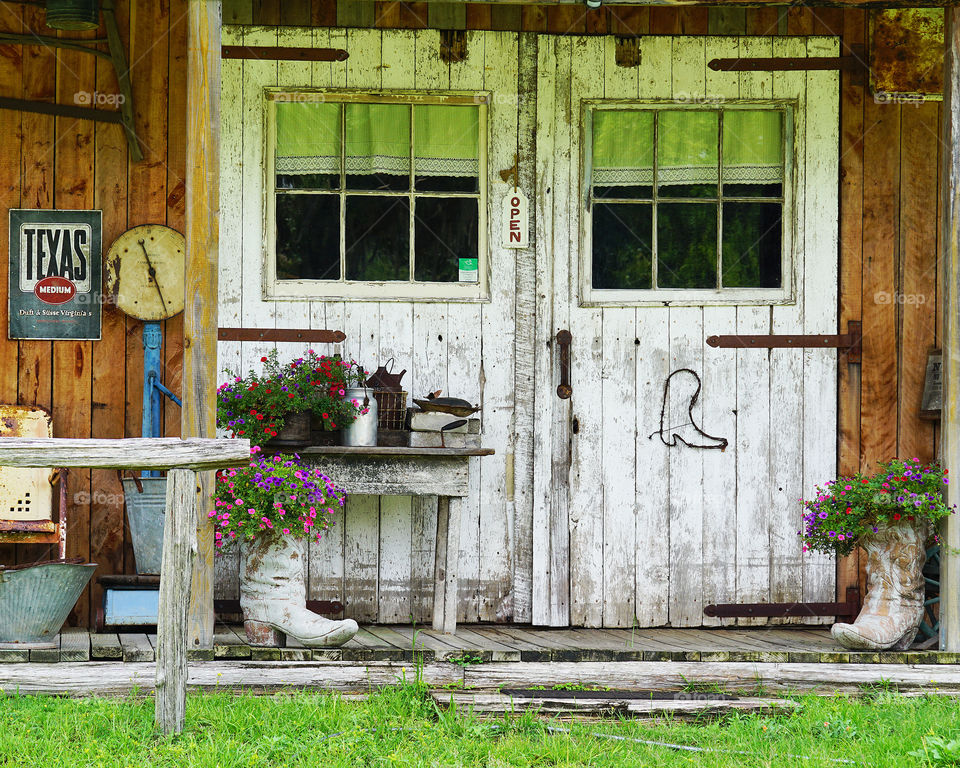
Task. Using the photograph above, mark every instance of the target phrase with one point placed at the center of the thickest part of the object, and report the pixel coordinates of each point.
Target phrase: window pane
(688, 153)
(308, 145)
(446, 147)
(622, 245)
(752, 190)
(632, 192)
(686, 245)
(320, 181)
(751, 245)
(622, 153)
(308, 237)
(378, 146)
(752, 151)
(377, 238)
(445, 231)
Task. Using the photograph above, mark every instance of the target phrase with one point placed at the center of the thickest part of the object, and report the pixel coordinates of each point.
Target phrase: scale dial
(144, 272)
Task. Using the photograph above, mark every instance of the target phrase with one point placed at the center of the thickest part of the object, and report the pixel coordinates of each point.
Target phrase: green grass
(403, 726)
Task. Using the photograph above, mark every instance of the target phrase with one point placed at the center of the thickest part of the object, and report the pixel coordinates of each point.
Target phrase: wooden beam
(950, 426)
(198, 416)
(132, 453)
(358, 8)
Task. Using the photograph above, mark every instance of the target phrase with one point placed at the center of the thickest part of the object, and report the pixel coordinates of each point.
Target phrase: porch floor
(474, 644)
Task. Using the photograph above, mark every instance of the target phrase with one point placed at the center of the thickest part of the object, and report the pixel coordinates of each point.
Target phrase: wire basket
(391, 409)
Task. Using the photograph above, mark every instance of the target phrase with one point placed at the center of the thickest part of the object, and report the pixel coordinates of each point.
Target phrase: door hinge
(849, 343)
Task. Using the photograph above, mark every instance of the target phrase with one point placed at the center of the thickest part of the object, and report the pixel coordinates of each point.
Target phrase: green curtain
(687, 146)
(377, 138)
(308, 137)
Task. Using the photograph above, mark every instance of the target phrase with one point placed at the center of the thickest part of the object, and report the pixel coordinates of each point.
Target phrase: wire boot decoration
(690, 428)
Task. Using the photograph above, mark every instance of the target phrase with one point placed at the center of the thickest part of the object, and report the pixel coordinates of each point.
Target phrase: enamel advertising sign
(55, 274)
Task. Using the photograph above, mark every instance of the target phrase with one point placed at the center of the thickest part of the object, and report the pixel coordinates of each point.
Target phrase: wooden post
(202, 235)
(950, 424)
(176, 573)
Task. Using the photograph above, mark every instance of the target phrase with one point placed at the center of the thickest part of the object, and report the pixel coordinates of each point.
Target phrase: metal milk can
(363, 430)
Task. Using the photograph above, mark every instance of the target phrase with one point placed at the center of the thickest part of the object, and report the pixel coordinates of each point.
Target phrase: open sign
(515, 220)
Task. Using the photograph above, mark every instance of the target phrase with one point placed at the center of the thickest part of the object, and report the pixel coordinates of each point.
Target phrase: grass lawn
(403, 726)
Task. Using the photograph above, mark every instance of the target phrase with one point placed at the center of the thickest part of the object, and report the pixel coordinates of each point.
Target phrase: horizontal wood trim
(62, 110)
(132, 453)
(384, 450)
(397, 475)
(713, 4)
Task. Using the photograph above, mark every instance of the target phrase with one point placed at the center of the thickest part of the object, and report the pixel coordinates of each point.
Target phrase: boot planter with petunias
(272, 508)
(890, 514)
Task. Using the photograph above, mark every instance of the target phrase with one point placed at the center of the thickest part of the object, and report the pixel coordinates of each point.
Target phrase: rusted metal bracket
(844, 610)
(280, 334)
(855, 62)
(272, 53)
(849, 343)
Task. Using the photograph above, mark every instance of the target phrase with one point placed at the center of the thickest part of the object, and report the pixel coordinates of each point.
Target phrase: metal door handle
(564, 390)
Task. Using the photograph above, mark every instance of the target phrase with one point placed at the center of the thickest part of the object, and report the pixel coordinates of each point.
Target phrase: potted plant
(279, 405)
(271, 508)
(890, 514)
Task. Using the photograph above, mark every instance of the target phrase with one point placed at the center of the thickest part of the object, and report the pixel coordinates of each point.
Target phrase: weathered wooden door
(628, 529)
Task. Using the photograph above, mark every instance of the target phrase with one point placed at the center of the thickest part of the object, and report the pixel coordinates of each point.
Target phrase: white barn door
(628, 530)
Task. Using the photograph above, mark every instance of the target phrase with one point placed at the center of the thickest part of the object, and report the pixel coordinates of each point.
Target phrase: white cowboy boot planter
(273, 597)
(893, 608)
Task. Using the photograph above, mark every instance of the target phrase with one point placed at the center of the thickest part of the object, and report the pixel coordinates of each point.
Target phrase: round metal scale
(144, 272)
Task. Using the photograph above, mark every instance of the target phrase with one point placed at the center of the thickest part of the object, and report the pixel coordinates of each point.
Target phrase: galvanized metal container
(74, 15)
(363, 430)
(35, 601)
(145, 514)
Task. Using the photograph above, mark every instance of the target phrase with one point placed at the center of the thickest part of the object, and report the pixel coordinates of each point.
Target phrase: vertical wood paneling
(787, 372)
(38, 151)
(652, 536)
(719, 399)
(881, 159)
(11, 85)
(820, 246)
(497, 321)
(850, 273)
(917, 273)
(73, 189)
(587, 511)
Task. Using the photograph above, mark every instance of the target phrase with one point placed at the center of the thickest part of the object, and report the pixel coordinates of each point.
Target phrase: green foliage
(849, 508)
(402, 725)
(938, 750)
(466, 659)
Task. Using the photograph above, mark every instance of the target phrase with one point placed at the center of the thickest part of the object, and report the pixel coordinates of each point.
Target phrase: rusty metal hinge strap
(848, 343)
(854, 63)
(844, 610)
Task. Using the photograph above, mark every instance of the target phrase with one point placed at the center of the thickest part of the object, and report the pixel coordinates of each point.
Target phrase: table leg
(446, 566)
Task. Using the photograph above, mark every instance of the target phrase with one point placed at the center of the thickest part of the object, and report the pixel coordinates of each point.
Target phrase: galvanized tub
(145, 513)
(36, 600)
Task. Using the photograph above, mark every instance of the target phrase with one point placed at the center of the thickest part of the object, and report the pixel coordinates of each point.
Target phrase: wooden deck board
(74, 644)
(497, 643)
(105, 647)
(136, 647)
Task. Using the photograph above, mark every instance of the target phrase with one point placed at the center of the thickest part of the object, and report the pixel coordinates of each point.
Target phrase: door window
(687, 204)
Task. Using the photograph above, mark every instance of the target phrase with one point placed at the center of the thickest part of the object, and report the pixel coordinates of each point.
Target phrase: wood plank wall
(888, 186)
(93, 389)
(889, 158)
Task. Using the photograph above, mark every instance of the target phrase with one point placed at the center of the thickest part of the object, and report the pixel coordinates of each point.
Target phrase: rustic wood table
(440, 472)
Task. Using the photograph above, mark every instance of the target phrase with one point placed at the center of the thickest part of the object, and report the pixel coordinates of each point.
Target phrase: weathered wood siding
(886, 262)
(379, 558)
(93, 388)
